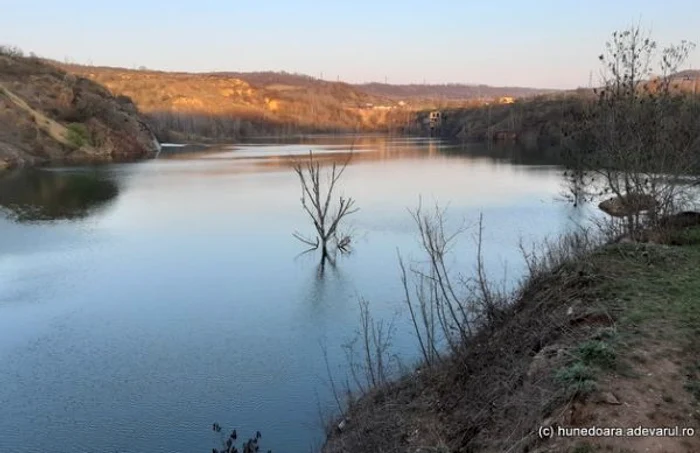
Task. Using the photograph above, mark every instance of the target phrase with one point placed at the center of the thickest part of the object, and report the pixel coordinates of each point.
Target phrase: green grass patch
(589, 359)
(655, 283)
(578, 378)
(78, 135)
(597, 353)
(656, 290)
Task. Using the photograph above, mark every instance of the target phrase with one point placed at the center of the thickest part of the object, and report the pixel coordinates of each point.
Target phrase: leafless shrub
(423, 316)
(447, 308)
(483, 294)
(485, 393)
(438, 303)
(369, 365)
(639, 141)
(316, 199)
(368, 354)
(11, 51)
(549, 255)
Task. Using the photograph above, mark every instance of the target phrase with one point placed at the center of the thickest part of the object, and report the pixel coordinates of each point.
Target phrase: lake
(140, 303)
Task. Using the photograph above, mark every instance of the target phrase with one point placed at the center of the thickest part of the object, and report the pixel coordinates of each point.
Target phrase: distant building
(506, 100)
(435, 119)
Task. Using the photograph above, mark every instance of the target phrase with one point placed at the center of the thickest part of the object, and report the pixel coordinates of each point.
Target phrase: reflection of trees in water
(36, 195)
(368, 149)
(510, 153)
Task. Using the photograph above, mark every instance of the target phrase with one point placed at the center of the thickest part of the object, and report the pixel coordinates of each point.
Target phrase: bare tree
(316, 199)
(11, 51)
(639, 141)
(447, 308)
(368, 353)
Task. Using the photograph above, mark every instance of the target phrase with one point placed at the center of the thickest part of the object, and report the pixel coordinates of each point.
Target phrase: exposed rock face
(48, 115)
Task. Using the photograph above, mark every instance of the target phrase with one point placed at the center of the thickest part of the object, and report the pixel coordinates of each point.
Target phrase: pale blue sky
(541, 43)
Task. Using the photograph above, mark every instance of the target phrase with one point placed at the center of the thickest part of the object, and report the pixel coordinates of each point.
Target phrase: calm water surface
(139, 303)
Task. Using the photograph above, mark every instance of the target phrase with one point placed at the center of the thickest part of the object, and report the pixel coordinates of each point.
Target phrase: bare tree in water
(317, 189)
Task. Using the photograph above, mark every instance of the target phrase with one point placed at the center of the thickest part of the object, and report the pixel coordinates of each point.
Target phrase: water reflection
(256, 158)
(183, 304)
(507, 153)
(41, 195)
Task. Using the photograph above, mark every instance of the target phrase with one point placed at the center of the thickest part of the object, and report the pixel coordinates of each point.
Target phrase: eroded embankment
(611, 339)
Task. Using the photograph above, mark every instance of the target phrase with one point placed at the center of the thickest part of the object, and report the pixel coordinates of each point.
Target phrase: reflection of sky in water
(184, 301)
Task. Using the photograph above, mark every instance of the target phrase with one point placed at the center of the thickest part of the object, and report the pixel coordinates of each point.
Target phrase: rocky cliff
(48, 115)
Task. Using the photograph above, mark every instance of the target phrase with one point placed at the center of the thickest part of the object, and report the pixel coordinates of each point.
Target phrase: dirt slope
(47, 115)
(608, 341)
(221, 103)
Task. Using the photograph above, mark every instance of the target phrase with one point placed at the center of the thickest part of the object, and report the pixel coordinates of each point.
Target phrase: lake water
(140, 303)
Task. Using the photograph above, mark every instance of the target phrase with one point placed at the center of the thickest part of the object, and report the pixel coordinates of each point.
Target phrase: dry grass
(54, 129)
(571, 331)
(231, 105)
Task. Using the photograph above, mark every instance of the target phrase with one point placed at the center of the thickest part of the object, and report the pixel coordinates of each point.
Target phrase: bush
(638, 142)
(11, 51)
(598, 353)
(78, 135)
(579, 378)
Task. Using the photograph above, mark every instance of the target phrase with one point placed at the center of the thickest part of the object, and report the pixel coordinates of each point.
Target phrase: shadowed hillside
(532, 120)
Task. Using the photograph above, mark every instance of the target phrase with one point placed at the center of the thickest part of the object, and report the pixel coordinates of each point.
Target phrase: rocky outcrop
(47, 115)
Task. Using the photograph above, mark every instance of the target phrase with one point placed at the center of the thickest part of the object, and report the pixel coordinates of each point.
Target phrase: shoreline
(563, 353)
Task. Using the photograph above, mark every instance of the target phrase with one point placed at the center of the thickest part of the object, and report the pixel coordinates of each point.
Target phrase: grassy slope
(655, 371)
(610, 340)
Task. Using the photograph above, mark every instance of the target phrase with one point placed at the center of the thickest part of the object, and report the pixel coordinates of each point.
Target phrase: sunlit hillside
(225, 104)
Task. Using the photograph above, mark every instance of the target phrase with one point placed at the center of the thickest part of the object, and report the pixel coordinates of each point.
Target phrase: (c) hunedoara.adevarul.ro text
(550, 432)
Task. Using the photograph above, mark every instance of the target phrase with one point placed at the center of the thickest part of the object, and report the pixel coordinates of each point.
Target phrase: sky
(536, 43)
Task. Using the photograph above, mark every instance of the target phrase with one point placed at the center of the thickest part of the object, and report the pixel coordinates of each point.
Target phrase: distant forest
(452, 91)
(448, 91)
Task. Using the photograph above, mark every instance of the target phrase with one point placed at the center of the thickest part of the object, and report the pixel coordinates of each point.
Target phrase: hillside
(448, 91)
(532, 121)
(688, 74)
(226, 105)
(604, 338)
(47, 115)
(236, 105)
